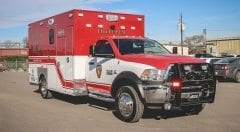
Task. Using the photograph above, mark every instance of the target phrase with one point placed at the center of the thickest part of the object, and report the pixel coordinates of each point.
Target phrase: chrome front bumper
(157, 94)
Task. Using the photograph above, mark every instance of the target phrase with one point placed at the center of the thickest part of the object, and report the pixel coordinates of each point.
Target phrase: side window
(103, 49)
(51, 36)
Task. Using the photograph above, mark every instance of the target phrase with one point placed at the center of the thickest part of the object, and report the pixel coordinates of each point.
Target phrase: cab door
(101, 68)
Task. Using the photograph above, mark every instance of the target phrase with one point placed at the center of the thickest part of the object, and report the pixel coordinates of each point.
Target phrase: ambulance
(106, 56)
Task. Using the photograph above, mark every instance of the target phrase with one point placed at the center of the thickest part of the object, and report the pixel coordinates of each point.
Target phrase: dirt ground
(23, 110)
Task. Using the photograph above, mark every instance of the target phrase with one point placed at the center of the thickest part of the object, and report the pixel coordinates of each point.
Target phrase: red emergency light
(176, 85)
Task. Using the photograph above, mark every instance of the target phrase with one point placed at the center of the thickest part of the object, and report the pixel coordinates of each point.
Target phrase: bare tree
(25, 42)
(194, 40)
(8, 43)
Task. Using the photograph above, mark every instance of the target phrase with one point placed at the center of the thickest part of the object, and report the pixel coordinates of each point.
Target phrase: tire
(45, 93)
(129, 107)
(237, 77)
(194, 110)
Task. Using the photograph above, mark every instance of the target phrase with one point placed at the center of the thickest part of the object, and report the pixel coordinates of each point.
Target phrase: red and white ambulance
(105, 55)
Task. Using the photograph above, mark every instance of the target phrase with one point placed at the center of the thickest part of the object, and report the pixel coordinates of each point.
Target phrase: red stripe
(101, 87)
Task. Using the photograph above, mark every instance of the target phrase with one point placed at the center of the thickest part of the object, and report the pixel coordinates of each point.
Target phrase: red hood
(160, 61)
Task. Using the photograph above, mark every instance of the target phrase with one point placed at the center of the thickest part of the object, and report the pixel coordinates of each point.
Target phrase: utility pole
(205, 38)
(181, 30)
(181, 27)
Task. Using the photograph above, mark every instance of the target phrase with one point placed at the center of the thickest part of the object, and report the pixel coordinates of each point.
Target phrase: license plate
(193, 96)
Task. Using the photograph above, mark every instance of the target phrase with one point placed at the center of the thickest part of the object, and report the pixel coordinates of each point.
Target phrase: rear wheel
(237, 77)
(45, 93)
(128, 104)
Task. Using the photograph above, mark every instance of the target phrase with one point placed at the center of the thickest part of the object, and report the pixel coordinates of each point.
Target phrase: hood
(160, 61)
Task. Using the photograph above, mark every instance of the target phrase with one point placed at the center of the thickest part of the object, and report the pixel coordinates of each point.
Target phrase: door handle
(91, 63)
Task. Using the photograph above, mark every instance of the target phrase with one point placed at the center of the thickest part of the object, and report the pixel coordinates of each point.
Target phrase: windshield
(139, 46)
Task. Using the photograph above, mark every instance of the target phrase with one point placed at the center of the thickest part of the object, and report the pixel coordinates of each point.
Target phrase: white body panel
(60, 76)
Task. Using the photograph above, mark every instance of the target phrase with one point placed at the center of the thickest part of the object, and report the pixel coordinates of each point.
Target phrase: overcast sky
(220, 17)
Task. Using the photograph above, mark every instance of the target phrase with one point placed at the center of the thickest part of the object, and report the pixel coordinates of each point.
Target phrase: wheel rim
(43, 90)
(125, 104)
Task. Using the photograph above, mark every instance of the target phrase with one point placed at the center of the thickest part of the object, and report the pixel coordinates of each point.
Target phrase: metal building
(171, 46)
(220, 47)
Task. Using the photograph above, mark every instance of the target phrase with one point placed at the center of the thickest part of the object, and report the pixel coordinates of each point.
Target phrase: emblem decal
(51, 21)
(99, 71)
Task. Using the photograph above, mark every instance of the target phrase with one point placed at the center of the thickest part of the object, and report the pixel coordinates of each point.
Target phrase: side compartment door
(64, 58)
(100, 69)
(69, 57)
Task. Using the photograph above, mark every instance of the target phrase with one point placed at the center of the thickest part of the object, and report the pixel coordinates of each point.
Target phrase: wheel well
(41, 76)
(125, 82)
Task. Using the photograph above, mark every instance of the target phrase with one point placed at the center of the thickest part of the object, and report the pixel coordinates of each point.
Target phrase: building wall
(170, 48)
(224, 46)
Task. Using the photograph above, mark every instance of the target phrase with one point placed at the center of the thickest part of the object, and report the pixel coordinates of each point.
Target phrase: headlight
(153, 75)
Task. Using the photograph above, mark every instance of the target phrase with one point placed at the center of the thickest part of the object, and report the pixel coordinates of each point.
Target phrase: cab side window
(103, 49)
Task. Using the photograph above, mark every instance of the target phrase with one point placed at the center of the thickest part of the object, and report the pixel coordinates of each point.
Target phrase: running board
(107, 99)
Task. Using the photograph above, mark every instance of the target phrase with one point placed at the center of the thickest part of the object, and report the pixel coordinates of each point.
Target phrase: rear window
(214, 60)
(227, 60)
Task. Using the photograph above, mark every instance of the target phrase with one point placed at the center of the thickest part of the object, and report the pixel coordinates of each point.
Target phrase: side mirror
(174, 50)
(91, 50)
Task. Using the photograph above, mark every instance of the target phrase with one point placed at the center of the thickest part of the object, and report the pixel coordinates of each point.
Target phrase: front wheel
(128, 104)
(45, 93)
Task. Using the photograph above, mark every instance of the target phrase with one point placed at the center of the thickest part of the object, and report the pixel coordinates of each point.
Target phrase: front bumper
(156, 94)
(190, 95)
(198, 86)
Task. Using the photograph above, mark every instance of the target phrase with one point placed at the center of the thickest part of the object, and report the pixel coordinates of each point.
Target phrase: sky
(221, 18)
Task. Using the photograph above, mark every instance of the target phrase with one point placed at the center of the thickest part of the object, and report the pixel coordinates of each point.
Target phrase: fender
(130, 78)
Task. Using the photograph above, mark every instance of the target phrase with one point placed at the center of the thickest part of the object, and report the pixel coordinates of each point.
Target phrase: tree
(8, 43)
(194, 40)
(25, 42)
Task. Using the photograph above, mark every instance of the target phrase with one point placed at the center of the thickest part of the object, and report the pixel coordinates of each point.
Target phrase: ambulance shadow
(157, 114)
(85, 100)
(162, 114)
(67, 98)
(106, 106)
(102, 105)
(82, 100)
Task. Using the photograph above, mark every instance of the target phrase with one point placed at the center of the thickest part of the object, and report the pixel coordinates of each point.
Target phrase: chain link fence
(13, 65)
